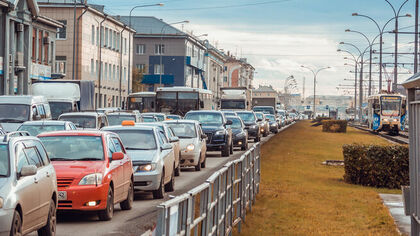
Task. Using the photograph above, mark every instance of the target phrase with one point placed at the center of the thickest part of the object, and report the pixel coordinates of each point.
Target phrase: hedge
(334, 126)
(376, 166)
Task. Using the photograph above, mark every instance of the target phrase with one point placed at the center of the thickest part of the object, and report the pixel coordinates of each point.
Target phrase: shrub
(334, 126)
(376, 166)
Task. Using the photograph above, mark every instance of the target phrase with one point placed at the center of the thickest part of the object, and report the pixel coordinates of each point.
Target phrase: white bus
(142, 101)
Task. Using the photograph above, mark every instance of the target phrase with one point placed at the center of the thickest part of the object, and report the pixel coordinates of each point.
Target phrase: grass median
(300, 196)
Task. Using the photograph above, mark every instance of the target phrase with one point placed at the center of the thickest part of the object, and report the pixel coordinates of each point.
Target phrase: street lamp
(355, 73)
(161, 43)
(315, 73)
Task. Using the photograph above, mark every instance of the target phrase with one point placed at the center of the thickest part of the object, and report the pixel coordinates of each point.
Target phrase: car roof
(115, 113)
(74, 133)
(205, 111)
(134, 127)
(245, 112)
(46, 122)
(234, 117)
(181, 121)
(82, 113)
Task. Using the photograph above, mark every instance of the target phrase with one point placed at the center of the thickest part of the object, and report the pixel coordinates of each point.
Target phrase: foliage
(376, 165)
(334, 126)
(137, 86)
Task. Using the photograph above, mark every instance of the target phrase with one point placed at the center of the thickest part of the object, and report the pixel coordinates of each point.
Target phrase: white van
(14, 110)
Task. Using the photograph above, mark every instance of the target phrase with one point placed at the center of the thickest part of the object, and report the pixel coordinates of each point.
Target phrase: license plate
(62, 195)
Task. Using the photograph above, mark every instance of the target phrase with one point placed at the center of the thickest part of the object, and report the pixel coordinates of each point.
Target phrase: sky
(278, 36)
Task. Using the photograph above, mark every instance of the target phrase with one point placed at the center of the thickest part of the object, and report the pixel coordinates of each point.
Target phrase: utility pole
(416, 38)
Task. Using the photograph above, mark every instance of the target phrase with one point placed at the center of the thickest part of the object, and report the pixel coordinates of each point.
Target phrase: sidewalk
(394, 203)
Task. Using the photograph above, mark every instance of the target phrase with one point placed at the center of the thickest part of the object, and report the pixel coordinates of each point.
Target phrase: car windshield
(118, 119)
(10, 113)
(247, 117)
(58, 108)
(137, 139)
(271, 118)
(34, 130)
(206, 118)
(74, 148)
(236, 123)
(4, 161)
(148, 119)
(88, 122)
(183, 130)
(259, 115)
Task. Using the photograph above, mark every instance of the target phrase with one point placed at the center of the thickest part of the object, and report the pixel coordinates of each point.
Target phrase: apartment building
(239, 72)
(27, 46)
(214, 69)
(93, 47)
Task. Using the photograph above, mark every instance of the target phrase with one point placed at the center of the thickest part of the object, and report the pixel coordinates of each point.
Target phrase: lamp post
(315, 73)
(129, 38)
(161, 43)
(355, 75)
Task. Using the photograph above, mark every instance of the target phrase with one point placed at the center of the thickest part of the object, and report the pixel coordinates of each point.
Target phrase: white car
(192, 142)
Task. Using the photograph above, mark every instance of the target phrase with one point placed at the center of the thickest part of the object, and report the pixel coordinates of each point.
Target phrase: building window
(62, 32)
(93, 35)
(106, 37)
(140, 49)
(106, 71)
(92, 67)
(125, 46)
(158, 69)
(97, 36)
(225, 79)
(114, 41)
(141, 67)
(60, 64)
(118, 42)
(125, 73)
(97, 68)
(33, 45)
(102, 36)
(159, 49)
(117, 73)
(113, 72)
(110, 72)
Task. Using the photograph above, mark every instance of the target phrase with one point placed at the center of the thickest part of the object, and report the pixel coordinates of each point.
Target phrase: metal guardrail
(218, 205)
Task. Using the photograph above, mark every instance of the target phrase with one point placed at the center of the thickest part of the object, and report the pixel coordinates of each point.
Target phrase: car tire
(226, 150)
(170, 187)
(244, 146)
(50, 228)
(160, 192)
(203, 164)
(127, 204)
(198, 166)
(108, 212)
(16, 228)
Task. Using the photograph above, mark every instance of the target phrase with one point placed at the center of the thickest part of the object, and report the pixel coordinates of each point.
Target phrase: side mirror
(117, 156)
(173, 139)
(229, 122)
(203, 136)
(166, 146)
(28, 170)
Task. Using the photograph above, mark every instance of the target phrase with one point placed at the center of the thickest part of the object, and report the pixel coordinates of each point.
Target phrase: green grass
(300, 196)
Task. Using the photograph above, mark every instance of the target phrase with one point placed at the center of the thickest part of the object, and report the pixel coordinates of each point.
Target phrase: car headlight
(274, 124)
(91, 179)
(190, 147)
(146, 167)
(1, 202)
(253, 126)
(220, 132)
(386, 120)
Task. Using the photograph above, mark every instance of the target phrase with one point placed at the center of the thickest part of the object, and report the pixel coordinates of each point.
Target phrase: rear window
(81, 121)
(34, 130)
(137, 139)
(74, 148)
(118, 119)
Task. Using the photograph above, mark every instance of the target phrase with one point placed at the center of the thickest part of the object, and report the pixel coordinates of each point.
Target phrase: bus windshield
(166, 102)
(390, 106)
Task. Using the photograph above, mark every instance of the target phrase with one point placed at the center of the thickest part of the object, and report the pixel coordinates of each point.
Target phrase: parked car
(173, 117)
(192, 142)
(170, 138)
(251, 124)
(153, 158)
(28, 186)
(86, 120)
(240, 135)
(93, 170)
(216, 127)
(117, 117)
(272, 122)
(42, 126)
(160, 116)
(265, 127)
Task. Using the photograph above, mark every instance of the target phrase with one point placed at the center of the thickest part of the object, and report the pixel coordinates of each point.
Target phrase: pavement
(394, 203)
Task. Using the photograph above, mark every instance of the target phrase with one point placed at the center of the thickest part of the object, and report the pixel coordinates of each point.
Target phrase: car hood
(236, 131)
(10, 127)
(211, 128)
(143, 155)
(77, 169)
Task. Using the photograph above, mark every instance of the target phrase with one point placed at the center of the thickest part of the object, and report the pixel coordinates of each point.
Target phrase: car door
(26, 190)
(175, 145)
(117, 171)
(126, 165)
(43, 176)
(168, 157)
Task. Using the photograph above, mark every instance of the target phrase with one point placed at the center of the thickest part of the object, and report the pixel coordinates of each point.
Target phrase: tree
(137, 85)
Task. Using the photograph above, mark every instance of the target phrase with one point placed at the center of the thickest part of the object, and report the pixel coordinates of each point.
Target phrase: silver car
(192, 142)
(153, 158)
(28, 186)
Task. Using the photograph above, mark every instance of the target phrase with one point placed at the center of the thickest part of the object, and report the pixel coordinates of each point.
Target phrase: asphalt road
(142, 216)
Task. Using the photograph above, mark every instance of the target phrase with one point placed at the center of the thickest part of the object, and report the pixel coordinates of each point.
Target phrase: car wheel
(244, 145)
(203, 164)
(16, 229)
(160, 192)
(198, 166)
(170, 187)
(127, 204)
(108, 212)
(50, 228)
(226, 150)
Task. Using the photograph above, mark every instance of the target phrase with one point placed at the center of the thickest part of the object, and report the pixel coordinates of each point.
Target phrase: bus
(142, 101)
(387, 112)
(180, 100)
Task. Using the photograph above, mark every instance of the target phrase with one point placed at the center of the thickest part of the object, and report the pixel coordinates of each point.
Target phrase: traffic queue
(92, 160)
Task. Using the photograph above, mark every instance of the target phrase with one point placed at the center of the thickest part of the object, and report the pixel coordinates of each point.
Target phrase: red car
(93, 171)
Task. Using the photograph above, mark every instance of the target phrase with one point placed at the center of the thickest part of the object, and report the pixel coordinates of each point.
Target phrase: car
(28, 186)
(94, 171)
(108, 109)
(117, 117)
(42, 126)
(272, 122)
(86, 120)
(240, 134)
(216, 127)
(173, 117)
(265, 128)
(170, 138)
(229, 113)
(149, 118)
(160, 116)
(251, 124)
(192, 142)
(153, 158)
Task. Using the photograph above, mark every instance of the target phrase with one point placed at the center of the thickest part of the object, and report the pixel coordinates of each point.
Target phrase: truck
(264, 101)
(236, 98)
(66, 95)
